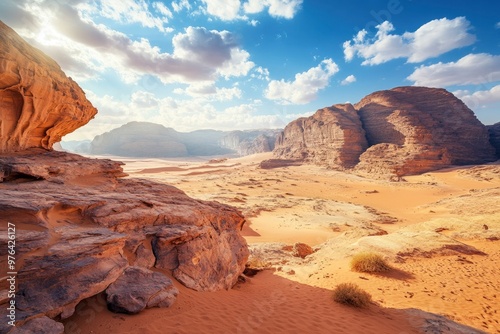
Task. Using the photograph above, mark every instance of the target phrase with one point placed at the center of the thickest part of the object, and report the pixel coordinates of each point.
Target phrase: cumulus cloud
(471, 69)
(180, 5)
(66, 28)
(208, 91)
(349, 80)
(228, 10)
(305, 87)
(430, 40)
(479, 99)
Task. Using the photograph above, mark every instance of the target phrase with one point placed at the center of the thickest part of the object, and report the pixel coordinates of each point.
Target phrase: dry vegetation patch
(352, 295)
(368, 262)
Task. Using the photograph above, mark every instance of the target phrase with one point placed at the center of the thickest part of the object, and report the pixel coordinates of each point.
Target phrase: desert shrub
(369, 263)
(352, 295)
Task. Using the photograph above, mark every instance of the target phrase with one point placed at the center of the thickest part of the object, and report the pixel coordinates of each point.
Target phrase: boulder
(332, 137)
(41, 325)
(139, 288)
(39, 103)
(301, 250)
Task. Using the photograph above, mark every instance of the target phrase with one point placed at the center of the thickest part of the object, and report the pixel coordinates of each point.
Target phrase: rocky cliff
(38, 103)
(494, 131)
(81, 228)
(333, 136)
(411, 130)
(402, 131)
(250, 141)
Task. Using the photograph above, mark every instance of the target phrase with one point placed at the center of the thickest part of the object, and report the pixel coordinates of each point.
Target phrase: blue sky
(246, 64)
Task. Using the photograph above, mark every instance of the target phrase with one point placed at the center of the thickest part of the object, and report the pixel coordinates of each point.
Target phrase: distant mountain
(250, 141)
(144, 139)
(76, 146)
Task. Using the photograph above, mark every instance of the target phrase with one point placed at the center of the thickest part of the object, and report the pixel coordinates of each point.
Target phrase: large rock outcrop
(411, 130)
(333, 136)
(494, 131)
(79, 226)
(402, 131)
(250, 141)
(39, 104)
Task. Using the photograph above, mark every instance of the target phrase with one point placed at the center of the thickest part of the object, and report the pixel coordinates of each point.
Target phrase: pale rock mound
(412, 130)
(38, 103)
(333, 136)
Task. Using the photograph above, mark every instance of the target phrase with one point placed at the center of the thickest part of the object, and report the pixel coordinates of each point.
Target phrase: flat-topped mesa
(39, 104)
(333, 136)
(411, 130)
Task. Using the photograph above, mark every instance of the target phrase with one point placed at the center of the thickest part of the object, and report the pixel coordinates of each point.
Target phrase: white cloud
(136, 11)
(209, 92)
(261, 73)
(430, 40)
(349, 80)
(229, 10)
(305, 86)
(497, 25)
(180, 5)
(471, 69)
(226, 10)
(479, 99)
(198, 54)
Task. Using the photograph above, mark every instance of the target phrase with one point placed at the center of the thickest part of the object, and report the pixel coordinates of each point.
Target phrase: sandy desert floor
(440, 231)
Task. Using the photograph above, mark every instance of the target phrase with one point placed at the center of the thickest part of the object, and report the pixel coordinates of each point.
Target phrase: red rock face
(412, 130)
(402, 131)
(333, 136)
(38, 103)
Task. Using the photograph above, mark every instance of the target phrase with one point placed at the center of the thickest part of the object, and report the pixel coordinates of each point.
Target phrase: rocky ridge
(397, 132)
(83, 229)
(39, 103)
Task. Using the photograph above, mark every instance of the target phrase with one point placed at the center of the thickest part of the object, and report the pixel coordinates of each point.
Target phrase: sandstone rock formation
(494, 131)
(250, 142)
(402, 131)
(139, 288)
(333, 136)
(411, 130)
(79, 227)
(39, 103)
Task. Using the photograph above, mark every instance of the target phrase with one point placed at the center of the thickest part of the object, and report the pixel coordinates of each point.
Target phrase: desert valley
(142, 233)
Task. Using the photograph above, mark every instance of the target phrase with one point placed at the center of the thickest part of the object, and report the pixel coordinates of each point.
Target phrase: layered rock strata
(333, 136)
(397, 132)
(81, 228)
(39, 104)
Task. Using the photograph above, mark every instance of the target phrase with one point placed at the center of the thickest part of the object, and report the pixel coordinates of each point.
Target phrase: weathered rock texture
(494, 131)
(38, 103)
(412, 130)
(79, 227)
(251, 141)
(333, 136)
(402, 131)
(139, 288)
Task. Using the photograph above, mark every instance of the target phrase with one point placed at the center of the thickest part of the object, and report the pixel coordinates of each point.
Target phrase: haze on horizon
(250, 64)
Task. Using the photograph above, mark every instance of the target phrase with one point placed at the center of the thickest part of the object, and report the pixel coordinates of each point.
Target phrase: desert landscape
(377, 216)
(440, 233)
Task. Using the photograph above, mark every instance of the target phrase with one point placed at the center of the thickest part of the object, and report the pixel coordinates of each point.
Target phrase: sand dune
(439, 230)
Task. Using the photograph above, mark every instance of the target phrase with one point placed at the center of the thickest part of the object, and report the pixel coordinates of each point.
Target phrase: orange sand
(314, 205)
